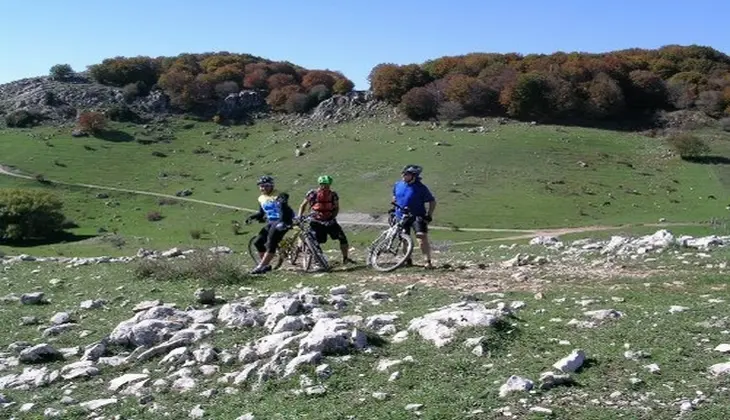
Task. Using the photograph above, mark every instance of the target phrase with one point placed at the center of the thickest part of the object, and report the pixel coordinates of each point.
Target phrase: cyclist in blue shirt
(274, 209)
(412, 193)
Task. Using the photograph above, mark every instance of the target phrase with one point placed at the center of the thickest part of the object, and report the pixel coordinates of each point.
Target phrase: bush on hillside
(528, 97)
(194, 82)
(29, 214)
(23, 118)
(92, 122)
(299, 103)
(343, 86)
(121, 71)
(725, 124)
(199, 265)
(123, 113)
(450, 112)
(605, 97)
(61, 72)
(613, 85)
(687, 145)
(135, 90)
(419, 104)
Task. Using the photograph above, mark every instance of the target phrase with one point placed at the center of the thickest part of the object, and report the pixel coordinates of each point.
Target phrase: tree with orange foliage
(92, 122)
(317, 77)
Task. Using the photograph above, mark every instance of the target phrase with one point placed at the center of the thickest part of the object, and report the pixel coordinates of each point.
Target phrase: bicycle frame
(396, 227)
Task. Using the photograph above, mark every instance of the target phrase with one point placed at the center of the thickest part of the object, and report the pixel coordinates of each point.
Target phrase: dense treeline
(195, 81)
(559, 86)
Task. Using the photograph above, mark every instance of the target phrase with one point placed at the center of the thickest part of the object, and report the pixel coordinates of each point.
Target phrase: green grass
(118, 225)
(450, 382)
(514, 176)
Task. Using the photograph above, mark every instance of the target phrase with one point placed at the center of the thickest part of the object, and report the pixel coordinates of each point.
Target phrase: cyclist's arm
(431, 201)
(287, 215)
(259, 215)
(431, 207)
(335, 205)
(303, 207)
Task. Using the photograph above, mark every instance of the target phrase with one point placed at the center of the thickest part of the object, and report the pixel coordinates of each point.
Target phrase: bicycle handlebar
(403, 209)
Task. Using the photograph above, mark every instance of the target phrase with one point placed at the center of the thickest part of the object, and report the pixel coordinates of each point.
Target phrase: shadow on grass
(60, 238)
(708, 160)
(115, 136)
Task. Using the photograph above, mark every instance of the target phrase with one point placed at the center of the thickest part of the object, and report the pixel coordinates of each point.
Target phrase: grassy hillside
(510, 176)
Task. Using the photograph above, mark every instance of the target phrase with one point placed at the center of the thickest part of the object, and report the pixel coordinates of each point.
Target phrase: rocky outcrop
(58, 102)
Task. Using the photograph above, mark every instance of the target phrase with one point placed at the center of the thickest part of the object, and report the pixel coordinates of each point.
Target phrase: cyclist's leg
(269, 248)
(336, 232)
(320, 231)
(421, 228)
(260, 242)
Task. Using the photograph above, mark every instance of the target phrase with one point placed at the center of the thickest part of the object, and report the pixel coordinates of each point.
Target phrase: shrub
(122, 113)
(419, 104)
(711, 102)
(647, 91)
(223, 89)
(725, 124)
(343, 86)
(278, 98)
(688, 146)
(605, 97)
(527, 97)
(23, 119)
(29, 214)
(200, 265)
(319, 93)
(473, 94)
(280, 80)
(61, 72)
(92, 122)
(317, 77)
(132, 91)
(390, 82)
(300, 103)
(121, 71)
(451, 111)
(154, 216)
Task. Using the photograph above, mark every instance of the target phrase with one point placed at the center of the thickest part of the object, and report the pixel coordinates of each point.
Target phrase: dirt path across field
(359, 219)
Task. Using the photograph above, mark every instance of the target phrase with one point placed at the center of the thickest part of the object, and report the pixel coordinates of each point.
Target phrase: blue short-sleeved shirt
(414, 195)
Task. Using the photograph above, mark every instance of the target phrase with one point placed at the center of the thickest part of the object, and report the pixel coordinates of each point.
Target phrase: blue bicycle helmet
(265, 180)
(414, 170)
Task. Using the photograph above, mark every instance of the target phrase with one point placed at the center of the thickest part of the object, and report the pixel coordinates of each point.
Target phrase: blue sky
(347, 35)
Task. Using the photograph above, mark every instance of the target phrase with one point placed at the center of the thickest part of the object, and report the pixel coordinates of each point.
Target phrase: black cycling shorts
(331, 229)
(269, 238)
(419, 225)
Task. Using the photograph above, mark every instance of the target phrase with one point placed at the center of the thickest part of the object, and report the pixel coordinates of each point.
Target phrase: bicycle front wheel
(387, 255)
(312, 255)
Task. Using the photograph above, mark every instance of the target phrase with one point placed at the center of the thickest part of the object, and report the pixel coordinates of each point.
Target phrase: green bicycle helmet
(324, 179)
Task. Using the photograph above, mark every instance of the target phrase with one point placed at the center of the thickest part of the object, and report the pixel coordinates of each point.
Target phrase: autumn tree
(419, 104)
(605, 97)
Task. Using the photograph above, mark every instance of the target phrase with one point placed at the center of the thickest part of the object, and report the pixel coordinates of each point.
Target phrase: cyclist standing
(274, 209)
(325, 203)
(412, 193)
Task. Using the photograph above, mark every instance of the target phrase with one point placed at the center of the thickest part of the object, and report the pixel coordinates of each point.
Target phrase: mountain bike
(392, 241)
(299, 241)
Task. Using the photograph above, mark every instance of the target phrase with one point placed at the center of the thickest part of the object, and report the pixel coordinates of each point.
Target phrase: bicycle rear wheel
(386, 255)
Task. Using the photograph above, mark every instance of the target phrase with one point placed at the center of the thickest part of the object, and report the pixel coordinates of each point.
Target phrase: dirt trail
(355, 219)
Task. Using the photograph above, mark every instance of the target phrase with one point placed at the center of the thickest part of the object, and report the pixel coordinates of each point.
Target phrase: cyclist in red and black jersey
(325, 204)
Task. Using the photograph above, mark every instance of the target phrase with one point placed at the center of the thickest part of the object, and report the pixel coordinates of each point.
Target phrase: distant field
(511, 176)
